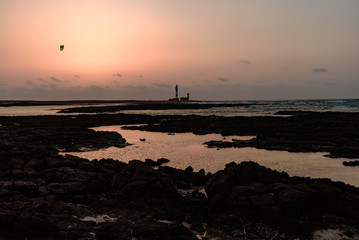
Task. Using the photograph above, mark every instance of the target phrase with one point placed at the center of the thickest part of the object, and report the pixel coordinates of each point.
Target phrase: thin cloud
(30, 83)
(244, 62)
(138, 76)
(319, 70)
(53, 86)
(55, 79)
(223, 79)
(96, 88)
(117, 75)
(77, 76)
(58, 80)
(162, 85)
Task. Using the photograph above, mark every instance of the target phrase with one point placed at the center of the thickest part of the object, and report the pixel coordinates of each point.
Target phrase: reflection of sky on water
(184, 149)
(41, 110)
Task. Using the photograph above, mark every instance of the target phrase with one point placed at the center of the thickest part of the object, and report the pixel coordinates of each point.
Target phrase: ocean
(263, 108)
(255, 108)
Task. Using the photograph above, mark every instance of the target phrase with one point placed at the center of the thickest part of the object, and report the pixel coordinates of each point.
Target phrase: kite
(61, 47)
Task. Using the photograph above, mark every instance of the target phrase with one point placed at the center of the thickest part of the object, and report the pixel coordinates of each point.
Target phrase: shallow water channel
(187, 149)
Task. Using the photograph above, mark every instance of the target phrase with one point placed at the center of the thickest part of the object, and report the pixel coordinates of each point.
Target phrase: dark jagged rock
(142, 181)
(351, 163)
(189, 169)
(152, 163)
(201, 171)
(62, 136)
(184, 179)
(162, 160)
(59, 200)
(44, 195)
(68, 197)
(250, 191)
(163, 231)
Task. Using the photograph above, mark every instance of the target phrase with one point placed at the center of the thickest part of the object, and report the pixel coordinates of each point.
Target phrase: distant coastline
(9, 103)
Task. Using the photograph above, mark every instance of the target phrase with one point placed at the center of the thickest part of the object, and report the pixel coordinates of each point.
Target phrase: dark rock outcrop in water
(331, 132)
(57, 134)
(47, 196)
(351, 163)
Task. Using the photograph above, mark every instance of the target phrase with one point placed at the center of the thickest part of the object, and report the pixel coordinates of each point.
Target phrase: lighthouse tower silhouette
(176, 91)
(177, 99)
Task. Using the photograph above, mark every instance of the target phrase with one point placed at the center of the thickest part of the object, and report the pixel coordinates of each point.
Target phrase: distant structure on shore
(176, 99)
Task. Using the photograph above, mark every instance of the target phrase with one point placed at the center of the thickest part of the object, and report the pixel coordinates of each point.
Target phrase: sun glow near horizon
(204, 45)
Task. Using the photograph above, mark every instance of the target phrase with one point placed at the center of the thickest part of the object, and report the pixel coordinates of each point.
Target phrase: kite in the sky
(61, 47)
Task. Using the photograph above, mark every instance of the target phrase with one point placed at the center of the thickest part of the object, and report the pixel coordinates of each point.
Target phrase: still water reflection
(184, 149)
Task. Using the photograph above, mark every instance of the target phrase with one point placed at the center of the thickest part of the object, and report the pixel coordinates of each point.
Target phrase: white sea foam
(98, 219)
(332, 234)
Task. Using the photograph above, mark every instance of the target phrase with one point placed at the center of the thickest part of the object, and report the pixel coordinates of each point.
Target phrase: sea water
(254, 108)
(261, 108)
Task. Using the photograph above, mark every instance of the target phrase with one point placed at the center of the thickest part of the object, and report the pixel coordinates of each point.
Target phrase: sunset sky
(216, 50)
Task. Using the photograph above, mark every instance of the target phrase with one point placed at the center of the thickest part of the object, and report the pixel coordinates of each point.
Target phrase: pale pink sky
(232, 49)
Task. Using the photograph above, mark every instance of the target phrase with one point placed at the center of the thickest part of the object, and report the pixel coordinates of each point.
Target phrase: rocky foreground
(44, 195)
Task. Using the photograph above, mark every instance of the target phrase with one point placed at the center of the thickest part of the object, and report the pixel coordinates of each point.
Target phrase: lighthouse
(177, 99)
(176, 88)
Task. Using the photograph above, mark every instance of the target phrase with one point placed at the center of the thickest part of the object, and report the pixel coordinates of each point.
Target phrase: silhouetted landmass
(149, 106)
(10, 103)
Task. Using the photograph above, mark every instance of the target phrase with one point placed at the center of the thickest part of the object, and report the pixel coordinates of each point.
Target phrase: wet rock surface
(44, 195)
(351, 163)
(332, 132)
(65, 134)
(247, 192)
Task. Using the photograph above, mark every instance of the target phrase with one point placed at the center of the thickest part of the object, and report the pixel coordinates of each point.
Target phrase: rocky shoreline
(44, 195)
(48, 196)
(332, 132)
